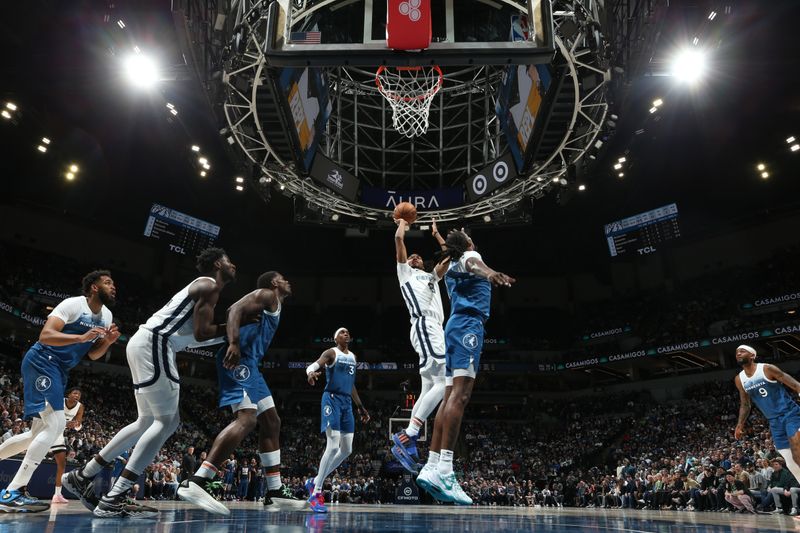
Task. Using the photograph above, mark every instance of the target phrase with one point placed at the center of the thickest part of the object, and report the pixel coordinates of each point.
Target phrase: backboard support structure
(353, 34)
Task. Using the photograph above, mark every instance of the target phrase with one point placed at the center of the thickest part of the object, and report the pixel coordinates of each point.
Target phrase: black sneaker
(80, 487)
(121, 505)
(284, 500)
(200, 491)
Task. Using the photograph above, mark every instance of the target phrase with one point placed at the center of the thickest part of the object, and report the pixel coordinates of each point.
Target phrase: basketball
(406, 211)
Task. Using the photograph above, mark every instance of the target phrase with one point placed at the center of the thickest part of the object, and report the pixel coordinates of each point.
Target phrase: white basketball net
(410, 91)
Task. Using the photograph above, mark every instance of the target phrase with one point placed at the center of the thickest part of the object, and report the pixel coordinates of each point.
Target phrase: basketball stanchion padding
(408, 24)
(410, 92)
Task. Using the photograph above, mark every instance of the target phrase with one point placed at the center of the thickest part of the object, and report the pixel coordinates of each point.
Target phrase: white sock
(91, 469)
(445, 462)
(122, 485)
(413, 426)
(57, 491)
(207, 470)
(433, 458)
(272, 459)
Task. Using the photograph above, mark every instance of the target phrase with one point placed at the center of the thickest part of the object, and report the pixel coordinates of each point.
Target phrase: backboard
(353, 33)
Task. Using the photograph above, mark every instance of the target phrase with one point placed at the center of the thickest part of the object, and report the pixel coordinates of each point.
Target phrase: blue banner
(423, 200)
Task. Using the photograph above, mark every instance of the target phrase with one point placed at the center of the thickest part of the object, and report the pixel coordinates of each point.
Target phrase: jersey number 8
(763, 392)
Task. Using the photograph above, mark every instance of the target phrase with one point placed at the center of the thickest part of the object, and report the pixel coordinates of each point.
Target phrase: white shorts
(427, 338)
(60, 445)
(434, 369)
(262, 405)
(151, 359)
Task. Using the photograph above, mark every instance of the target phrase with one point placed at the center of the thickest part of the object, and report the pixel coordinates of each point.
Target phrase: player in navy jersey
(186, 320)
(420, 291)
(242, 387)
(337, 411)
(76, 327)
(469, 284)
(763, 385)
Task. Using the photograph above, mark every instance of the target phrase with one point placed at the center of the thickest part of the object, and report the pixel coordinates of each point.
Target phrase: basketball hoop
(410, 91)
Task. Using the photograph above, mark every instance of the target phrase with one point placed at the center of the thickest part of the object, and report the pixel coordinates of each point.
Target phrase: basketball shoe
(428, 479)
(199, 491)
(81, 488)
(122, 505)
(282, 499)
(14, 501)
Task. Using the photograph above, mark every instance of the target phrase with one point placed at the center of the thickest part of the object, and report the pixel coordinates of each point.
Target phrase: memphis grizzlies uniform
(60, 445)
(337, 403)
(470, 300)
(775, 403)
(45, 368)
(420, 292)
(244, 386)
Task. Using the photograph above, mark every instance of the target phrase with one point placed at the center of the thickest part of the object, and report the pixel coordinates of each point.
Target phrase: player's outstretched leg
(453, 413)
(278, 497)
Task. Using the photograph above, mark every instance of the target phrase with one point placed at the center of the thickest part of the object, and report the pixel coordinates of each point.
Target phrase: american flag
(306, 37)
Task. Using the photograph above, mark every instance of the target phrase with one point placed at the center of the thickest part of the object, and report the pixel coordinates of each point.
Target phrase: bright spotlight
(657, 102)
(765, 175)
(73, 168)
(202, 160)
(795, 147)
(653, 110)
(11, 105)
(206, 166)
(621, 175)
(42, 148)
(622, 159)
(202, 173)
(581, 187)
(70, 176)
(283, 186)
(618, 166)
(790, 140)
(239, 188)
(761, 166)
(712, 15)
(555, 180)
(195, 148)
(487, 218)
(45, 140)
(6, 114)
(141, 71)
(239, 179)
(335, 217)
(689, 65)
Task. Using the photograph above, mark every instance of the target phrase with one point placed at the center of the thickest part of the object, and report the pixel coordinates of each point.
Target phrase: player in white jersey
(186, 320)
(73, 413)
(420, 290)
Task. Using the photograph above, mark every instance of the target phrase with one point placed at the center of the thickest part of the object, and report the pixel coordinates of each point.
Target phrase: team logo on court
(43, 383)
(470, 340)
(241, 373)
(327, 410)
(411, 10)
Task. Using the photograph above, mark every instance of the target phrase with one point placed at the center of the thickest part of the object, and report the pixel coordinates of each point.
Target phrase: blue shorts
(463, 337)
(43, 380)
(783, 427)
(245, 378)
(337, 413)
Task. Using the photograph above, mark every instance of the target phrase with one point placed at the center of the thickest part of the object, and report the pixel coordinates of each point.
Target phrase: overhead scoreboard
(184, 234)
(641, 233)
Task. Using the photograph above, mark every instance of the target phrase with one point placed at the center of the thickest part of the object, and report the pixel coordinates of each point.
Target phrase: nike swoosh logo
(448, 484)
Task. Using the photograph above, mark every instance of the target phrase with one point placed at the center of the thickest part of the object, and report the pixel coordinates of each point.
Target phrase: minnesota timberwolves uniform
(420, 291)
(45, 368)
(470, 299)
(775, 403)
(244, 386)
(151, 352)
(337, 403)
(60, 445)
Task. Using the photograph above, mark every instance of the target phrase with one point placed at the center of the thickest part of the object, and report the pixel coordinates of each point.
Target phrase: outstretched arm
(205, 295)
(313, 370)
(399, 240)
(479, 268)
(774, 373)
(437, 235)
(363, 414)
(744, 409)
(248, 305)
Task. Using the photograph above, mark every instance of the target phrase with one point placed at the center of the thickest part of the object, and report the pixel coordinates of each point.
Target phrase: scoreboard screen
(643, 232)
(183, 234)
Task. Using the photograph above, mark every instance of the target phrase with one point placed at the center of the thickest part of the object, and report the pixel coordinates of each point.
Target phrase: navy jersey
(341, 374)
(469, 294)
(770, 396)
(78, 319)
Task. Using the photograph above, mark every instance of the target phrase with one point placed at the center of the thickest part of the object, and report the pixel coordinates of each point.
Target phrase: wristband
(313, 367)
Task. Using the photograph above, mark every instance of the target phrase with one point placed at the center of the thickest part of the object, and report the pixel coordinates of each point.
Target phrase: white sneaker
(452, 489)
(191, 491)
(428, 479)
(794, 511)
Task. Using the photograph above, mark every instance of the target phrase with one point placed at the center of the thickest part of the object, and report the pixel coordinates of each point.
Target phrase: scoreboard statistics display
(183, 234)
(643, 232)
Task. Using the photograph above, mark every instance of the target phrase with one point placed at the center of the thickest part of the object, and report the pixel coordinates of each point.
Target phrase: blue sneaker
(405, 460)
(14, 501)
(310, 486)
(406, 450)
(317, 503)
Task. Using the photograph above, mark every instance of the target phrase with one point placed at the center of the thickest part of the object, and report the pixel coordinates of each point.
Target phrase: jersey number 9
(763, 392)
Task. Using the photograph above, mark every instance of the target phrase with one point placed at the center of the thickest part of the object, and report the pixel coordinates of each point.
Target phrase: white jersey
(70, 414)
(420, 291)
(60, 445)
(173, 322)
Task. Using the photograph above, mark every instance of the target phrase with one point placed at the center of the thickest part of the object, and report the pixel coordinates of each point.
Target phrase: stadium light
(195, 148)
(11, 105)
(621, 175)
(487, 218)
(581, 187)
(45, 140)
(6, 115)
(141, 71)
(689, 66)
(335, 217)
(712, 15)
(761, 166)
(622, 159)
(790, 140)
(555, 180)
(658, 102)
(73, 168)
(696, 41)
(206, 166)
(653, 110)
(70, 176)
(618, 166)
(202, 160)
(794, 147)
(202, 173)
(283, 187)
(765, 175)
(239, 179)
(174, 112)
(121, 24)
(239, 188)
(42, 148)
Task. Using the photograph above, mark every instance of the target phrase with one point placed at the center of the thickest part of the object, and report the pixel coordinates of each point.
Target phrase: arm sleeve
(68, 310)
(467, 255)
